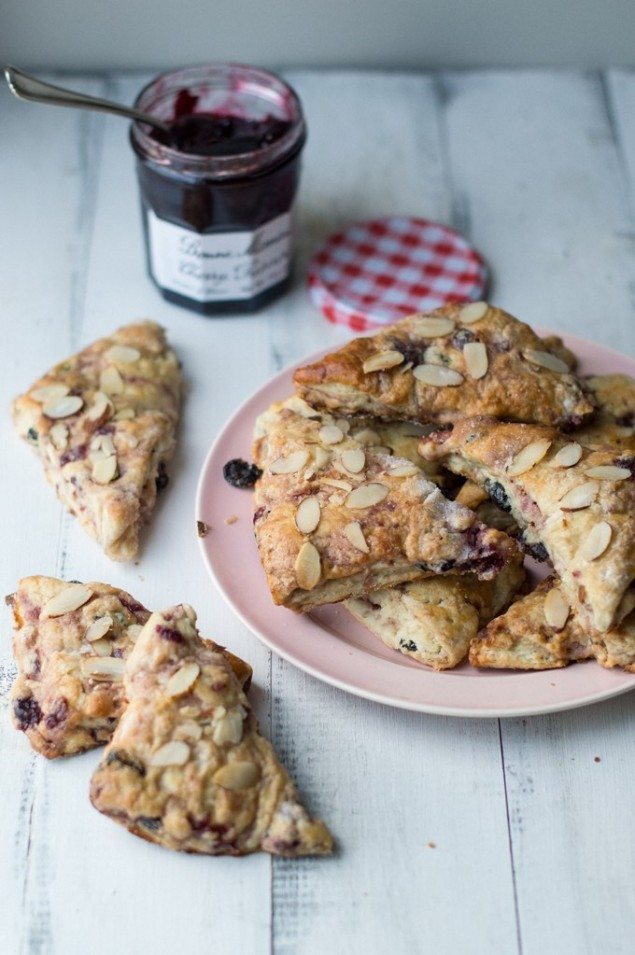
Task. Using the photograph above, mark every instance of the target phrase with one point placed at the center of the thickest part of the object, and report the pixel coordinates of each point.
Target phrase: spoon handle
(28, 87)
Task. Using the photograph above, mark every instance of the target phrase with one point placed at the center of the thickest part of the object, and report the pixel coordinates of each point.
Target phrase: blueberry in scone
(187, 768)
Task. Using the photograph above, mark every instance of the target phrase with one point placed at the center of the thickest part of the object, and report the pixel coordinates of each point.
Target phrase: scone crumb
(432, 845)
(202, 529)
(597, 759)
(231, 519)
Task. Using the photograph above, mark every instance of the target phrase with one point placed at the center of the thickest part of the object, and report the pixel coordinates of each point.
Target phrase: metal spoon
(28, 87)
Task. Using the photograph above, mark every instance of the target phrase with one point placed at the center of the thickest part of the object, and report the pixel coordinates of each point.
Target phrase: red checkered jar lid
(374, 273)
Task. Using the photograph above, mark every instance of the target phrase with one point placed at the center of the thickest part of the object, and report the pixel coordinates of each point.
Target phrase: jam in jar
(217, 187)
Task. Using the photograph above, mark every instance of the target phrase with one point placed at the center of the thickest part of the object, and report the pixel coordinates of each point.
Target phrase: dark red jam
(217, 190)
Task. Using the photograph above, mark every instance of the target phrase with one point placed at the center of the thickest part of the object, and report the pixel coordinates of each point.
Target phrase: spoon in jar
(28, 87)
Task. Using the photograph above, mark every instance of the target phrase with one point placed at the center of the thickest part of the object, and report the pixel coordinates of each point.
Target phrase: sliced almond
(182, 679)
(174, 753)
(597, 541)
(124, 414)
(355, 535)
(101, 405)
(103, 647)
(123, 353)
(438, 375)
(103, 668)
(289, 464)
(107, 444)
(307, 515)
(430, 326)
(366, 495)
(308, 566)
(49, 393)
(105, 469)
(228, 729)
(353, 460)
(110, 381)
(545, 360)
(62, 407)
(59, 436)
(340, 485)
(580, 497)
(529, 456)
(403, 470)
(367, 436)
(382, 360)
(567, 456)
(133, 631)
(473, 312)
(99, 628)
(237, 775)
(321, 457)
(70, 598)
(330, 434)
(476, 362)
(343, 425)
(608, 472)
(556, 609)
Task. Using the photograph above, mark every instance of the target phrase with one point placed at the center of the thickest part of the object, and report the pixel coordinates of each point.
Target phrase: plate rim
(570, 340)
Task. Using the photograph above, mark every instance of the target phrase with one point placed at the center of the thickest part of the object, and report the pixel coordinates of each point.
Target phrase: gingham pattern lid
(374, 273)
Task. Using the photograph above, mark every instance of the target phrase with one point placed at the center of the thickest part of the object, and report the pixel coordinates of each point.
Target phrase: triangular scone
(187, 767)
(103, 423)
(335, 519)
(434, 620)
(400, 438)
(539, 632)
(574, 505)
(70, 644)
(613, 424)
(458, 360)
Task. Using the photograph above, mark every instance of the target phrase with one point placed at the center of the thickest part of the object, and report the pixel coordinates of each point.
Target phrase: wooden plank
(535, 158)
(383, 778)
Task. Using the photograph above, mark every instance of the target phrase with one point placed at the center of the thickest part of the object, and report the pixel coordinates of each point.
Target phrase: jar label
(219, 266)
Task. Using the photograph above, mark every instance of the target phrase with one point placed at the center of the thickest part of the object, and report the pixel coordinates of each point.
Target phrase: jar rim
(252, 162)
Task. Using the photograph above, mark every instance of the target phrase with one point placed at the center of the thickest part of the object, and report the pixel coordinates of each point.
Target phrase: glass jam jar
(217, 190)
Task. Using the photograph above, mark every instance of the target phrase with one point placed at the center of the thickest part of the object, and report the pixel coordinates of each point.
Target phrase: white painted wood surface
(455, 836)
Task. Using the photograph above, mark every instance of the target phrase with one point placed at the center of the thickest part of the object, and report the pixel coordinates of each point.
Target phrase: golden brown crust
(613, 424)
(61, 705)
(432, 621)
(187, 768)
(485, 450)
(513, 387)
(107, 458)
(523, 639)
(411, 531)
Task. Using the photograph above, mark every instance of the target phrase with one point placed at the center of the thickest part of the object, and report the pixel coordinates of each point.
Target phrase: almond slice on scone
(540, 631)
(375, 521)
(433, 620)
(187, 768)
(574, 505)
(103, 423)
(70, 645)
(458, 360)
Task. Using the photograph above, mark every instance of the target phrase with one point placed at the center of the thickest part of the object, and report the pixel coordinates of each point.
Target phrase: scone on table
(70, 644)
(187, 768)
(458, 360)
(335, 518)
(103, 423)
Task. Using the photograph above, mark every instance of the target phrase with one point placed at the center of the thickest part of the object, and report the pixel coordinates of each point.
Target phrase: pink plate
(332, 646)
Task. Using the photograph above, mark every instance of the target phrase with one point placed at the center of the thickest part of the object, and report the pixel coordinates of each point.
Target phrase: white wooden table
(455, 836)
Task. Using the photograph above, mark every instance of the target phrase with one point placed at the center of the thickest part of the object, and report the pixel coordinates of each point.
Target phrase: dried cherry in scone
(240, 474)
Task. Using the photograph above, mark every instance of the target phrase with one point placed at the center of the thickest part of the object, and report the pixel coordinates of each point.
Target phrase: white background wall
(98, 34)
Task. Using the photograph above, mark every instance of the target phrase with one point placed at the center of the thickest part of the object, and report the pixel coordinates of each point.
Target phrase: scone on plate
(187, 768)
(70, 645)
(458, 360)
(575, 505)
(103, 423)
(434, 620)
(541, 632)
(336, 519)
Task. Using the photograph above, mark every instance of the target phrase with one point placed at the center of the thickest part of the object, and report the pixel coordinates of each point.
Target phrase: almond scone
(103, 423)
(337, 519)
(187, 768)
(613, 424)
(434, 620)
(574, 505)
(458, 360)
(542, 632)
(70, 644)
